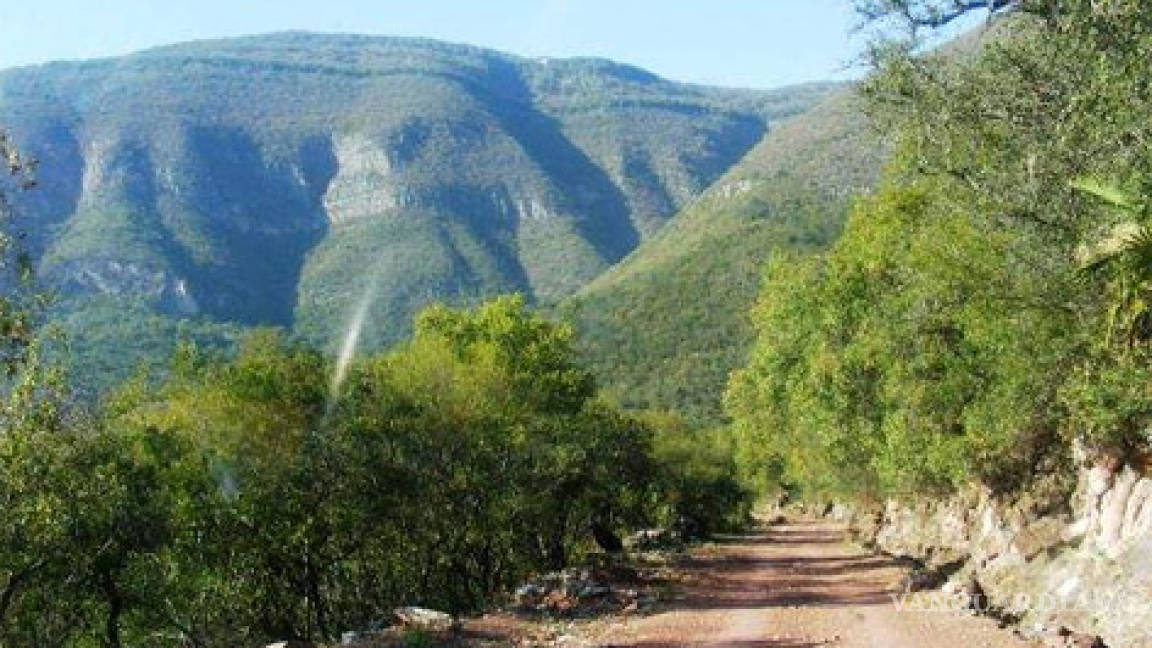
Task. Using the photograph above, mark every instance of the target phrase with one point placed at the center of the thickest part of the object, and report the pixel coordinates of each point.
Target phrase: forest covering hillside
(665, 326)
(282, 179)
(256, 483)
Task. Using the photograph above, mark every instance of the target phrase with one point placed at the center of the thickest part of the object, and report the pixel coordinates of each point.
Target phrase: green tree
(950, 335)
(442, 472)
(34, 493)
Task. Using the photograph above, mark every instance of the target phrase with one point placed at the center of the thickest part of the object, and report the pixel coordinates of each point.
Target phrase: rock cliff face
(282, 179)
(1085, 567)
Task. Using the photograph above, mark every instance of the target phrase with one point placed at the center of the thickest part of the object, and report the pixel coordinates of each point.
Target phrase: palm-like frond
(1110, 194)
(1123, 262)
(1097, 267)
(1138, 249)
(1131, 248)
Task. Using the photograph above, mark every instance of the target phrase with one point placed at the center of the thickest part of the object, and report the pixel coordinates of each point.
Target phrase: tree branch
(929, 14)
(14, 584)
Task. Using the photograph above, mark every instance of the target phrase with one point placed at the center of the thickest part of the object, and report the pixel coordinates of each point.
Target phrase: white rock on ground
(423, 619)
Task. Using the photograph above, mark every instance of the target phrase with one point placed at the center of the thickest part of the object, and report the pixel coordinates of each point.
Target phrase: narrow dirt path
(798, 585)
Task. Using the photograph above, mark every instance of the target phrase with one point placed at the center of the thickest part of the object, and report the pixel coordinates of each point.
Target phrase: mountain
(664, 327)
(290, 179)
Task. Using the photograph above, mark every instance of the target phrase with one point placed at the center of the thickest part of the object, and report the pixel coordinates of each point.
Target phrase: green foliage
(20, 305)
(39, 492)
(891, 349)
(253, 499)
(108, 340)
(952, 334)
(1123, 264)
(1109, 402)
(665, 327)
(535, 354)
(702, 493)
(1107, 396)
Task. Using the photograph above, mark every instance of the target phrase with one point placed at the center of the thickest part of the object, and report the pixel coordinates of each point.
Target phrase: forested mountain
(284, 179)
(665, 327)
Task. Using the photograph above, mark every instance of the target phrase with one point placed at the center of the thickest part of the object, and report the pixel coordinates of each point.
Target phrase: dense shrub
(980, 312)
(257, 498)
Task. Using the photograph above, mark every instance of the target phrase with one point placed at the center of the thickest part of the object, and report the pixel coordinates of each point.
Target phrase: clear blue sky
(757, 43)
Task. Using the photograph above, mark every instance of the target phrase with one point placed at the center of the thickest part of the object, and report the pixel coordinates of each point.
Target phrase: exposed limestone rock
(168, 293)
(364, 185)
(1089, 570)
(423, 619)
(654, 539)
(572, 592)
(1138, 517)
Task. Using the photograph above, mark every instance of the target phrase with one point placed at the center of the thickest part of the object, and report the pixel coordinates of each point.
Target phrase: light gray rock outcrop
(1088, 569)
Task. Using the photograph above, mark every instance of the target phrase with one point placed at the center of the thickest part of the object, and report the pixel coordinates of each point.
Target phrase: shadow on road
(772, 569)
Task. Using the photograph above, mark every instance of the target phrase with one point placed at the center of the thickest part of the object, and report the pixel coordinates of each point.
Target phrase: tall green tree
(952, 334)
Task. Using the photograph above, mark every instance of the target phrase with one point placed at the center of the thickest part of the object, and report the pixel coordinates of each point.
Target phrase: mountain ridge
(282, 179)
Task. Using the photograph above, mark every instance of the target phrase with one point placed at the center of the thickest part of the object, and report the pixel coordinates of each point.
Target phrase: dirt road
(798, 585)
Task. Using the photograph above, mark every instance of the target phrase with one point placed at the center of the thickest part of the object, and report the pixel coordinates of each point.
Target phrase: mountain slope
(665, 326)
(287, 179)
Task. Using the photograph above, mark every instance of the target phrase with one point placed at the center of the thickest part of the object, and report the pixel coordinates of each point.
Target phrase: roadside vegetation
(986, 311)
(236, 501)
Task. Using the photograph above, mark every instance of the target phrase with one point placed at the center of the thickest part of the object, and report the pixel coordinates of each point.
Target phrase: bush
(701, 491)
(255, 499)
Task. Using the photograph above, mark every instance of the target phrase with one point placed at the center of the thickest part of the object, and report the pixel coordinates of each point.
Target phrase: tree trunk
(115, 608)
(14, 585)
(557, 552)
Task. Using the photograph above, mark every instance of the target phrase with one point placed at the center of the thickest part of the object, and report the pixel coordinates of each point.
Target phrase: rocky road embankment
(1068, 571)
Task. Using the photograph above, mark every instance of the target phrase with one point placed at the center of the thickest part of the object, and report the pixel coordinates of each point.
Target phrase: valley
(237, 183)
